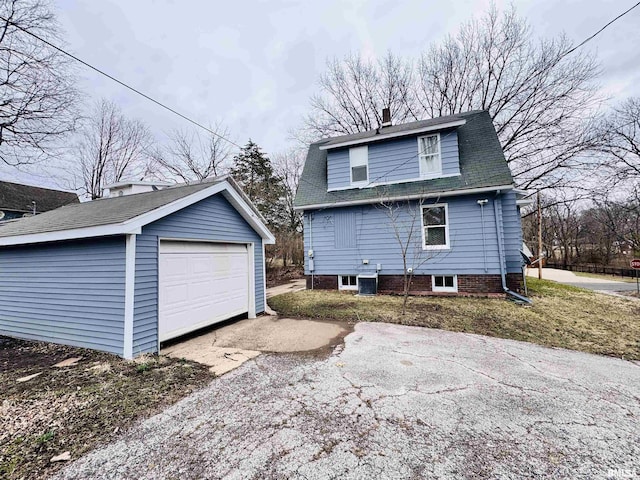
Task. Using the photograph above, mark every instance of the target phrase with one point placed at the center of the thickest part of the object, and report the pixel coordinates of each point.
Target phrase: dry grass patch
(603, 276)
(79, 407)
(561, 316)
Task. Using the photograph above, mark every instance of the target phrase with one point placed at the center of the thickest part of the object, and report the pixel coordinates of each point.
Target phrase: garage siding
(145, 306)
(212, 219)
(68, 292)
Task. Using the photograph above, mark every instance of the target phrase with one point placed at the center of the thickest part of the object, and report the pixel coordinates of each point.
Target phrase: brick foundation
(322, 282)
(421, 284)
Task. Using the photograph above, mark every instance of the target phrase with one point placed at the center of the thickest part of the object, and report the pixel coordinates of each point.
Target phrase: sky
(254, 65)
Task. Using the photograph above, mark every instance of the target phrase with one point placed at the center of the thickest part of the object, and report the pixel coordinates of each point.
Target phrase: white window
(435, 227)
(444, 283)
(359, 163)
(429, 155)
(347, 282)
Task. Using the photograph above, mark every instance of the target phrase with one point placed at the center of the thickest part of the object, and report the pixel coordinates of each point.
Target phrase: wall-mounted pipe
(501, 256)
(482, 203)
(310, 260)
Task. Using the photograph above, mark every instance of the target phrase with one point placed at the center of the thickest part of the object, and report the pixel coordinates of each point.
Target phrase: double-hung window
(359, 163)
(435, 226)
(429, 155)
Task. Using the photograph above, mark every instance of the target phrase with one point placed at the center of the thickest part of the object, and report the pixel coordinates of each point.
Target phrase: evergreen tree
(253, 171)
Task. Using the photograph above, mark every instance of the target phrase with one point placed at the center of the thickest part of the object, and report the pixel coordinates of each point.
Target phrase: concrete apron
(229, 346)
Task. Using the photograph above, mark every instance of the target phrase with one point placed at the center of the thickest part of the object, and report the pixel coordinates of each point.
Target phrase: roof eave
(385, 136)
(394, 198)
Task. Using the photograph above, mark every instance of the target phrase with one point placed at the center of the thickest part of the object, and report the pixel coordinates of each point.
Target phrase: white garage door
(201, 284)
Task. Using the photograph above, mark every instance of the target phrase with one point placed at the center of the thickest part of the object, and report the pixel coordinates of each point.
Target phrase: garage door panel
(175, 267)
(201, 284)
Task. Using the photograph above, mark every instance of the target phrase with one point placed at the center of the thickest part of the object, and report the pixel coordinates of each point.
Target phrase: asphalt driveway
(395, 402)
(590, 283)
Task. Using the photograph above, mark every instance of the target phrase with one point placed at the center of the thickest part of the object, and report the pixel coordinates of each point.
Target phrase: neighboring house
(123, 274)
(120, 189)
(17, 200)
(446, 176)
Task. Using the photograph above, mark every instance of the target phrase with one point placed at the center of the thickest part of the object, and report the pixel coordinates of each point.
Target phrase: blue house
(18, 200)
(432, 198)
(123, 274)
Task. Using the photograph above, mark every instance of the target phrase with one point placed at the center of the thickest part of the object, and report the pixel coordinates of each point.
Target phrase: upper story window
(359, 163)
(429, 155)
(435, 227)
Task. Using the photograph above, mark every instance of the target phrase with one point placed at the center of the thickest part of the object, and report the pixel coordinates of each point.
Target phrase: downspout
(310, 253)
(503, 274)
(484, 239)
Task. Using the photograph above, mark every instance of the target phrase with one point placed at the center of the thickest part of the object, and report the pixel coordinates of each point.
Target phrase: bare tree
(621, 219)
(404, 220)
(621, 130)
(190, 157)
(287, 166)
(541, 98)
(353, 92)
(113, 148)
(37, 94)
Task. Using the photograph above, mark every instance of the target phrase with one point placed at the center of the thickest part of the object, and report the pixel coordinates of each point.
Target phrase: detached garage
(125, 273)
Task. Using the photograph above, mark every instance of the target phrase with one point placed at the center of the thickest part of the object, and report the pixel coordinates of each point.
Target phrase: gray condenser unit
(368, 284)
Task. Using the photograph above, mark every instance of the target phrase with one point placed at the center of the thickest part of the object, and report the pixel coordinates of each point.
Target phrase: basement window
(347, 282)
(444, 283)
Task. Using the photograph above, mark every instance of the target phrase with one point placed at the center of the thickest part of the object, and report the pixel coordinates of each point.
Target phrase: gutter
(503, 274)
(447, 193)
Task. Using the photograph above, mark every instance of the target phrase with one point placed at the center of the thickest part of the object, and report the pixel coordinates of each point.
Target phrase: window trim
(453, 289)
(447, 245)
(347, 287)
(437, 173)
(359, 164)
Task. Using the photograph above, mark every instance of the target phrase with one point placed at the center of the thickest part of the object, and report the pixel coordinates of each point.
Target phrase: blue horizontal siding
(145, 306)
(376, 240)
(512, 228)
(393, 160)
(212, 219)
(67, 292)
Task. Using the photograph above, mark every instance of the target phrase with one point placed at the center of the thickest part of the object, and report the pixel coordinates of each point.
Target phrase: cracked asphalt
(396, 402)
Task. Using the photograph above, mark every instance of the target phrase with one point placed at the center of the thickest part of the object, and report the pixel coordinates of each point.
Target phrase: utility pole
(539, 237)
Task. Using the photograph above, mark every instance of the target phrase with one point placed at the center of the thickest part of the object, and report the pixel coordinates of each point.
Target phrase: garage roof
(126, 214)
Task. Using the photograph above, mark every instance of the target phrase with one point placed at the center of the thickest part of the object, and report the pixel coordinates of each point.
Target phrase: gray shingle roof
(106, 211)
(17, 197)
(404, 127)
(482, 164)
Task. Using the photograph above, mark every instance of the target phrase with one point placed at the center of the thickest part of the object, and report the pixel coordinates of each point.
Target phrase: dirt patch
(277, 275)
(79, 407)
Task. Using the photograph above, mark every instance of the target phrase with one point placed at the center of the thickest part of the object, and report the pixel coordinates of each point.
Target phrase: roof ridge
(59, 190)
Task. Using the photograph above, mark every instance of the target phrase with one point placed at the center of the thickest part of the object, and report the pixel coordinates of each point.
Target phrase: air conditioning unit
(367, 284)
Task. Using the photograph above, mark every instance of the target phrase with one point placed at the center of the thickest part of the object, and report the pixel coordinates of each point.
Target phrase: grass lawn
(615, 278)
(561, 316)
(76, 408)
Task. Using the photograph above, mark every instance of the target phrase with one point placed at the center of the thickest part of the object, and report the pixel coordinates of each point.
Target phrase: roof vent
(386, 117)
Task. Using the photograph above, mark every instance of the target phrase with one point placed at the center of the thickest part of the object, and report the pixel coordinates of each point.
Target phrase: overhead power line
(199, 125)
(588, 39)
(111, 77)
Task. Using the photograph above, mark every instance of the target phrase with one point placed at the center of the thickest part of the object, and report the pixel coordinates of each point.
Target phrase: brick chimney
(386, 117)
